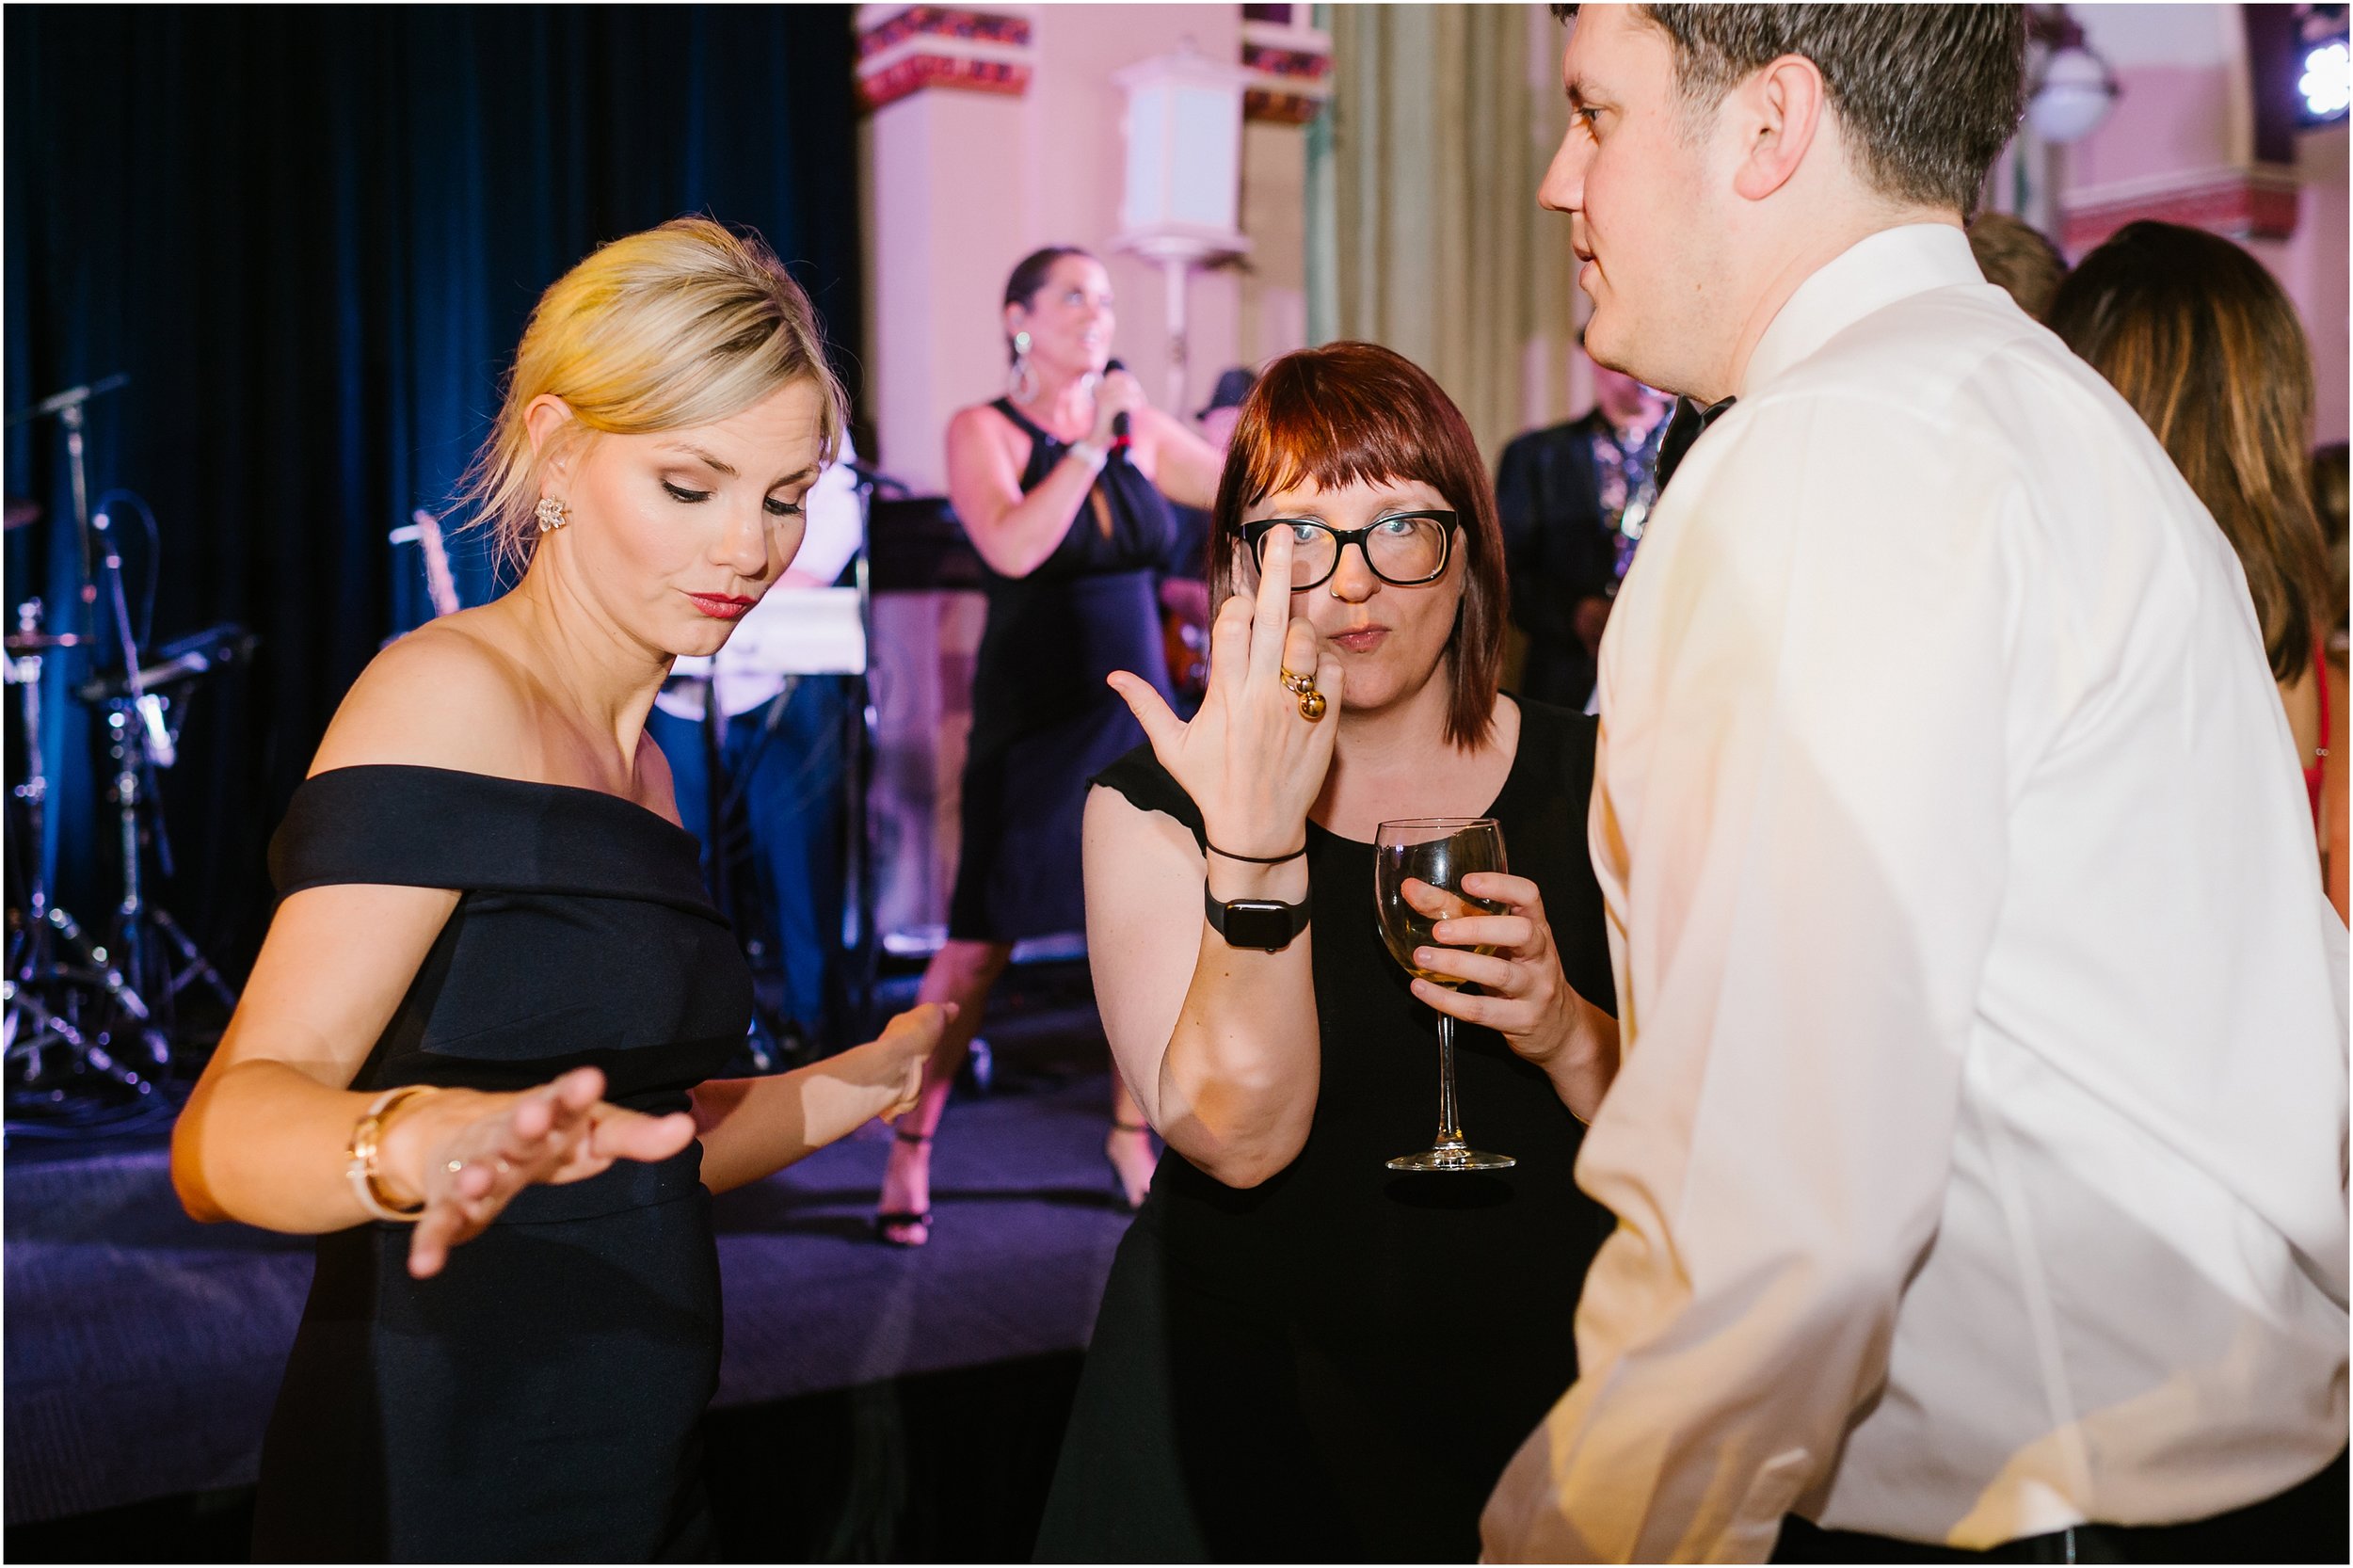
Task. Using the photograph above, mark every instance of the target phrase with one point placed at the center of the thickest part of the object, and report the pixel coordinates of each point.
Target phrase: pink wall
(960, 185)
(957, 186)
(2185, 118)
(2310, 265)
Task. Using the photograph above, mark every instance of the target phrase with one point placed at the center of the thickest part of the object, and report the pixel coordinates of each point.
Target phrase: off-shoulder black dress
(1336, 1365)
(537, 1400)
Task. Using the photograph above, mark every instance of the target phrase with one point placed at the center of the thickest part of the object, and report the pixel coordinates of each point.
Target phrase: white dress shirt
(1979, 1150)
(751, 667)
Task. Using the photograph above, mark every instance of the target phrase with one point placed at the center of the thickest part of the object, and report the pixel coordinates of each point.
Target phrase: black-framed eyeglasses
(1403, 549)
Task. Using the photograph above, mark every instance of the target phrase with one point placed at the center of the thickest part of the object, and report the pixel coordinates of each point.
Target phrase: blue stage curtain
(312, 236)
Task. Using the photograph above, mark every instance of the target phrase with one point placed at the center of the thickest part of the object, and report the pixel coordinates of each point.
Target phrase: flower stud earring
(551, 513)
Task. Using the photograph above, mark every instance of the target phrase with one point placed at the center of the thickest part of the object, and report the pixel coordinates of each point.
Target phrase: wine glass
(1440, 850)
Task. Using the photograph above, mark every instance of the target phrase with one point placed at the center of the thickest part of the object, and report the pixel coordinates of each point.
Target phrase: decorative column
(944, 190)
(944, 187)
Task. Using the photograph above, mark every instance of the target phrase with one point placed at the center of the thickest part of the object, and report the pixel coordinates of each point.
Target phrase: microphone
(1121, 436)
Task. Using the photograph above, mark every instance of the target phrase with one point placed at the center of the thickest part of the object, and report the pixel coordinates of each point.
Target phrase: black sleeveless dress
(1336, 1365)
(537, 1400)
(1043, 722)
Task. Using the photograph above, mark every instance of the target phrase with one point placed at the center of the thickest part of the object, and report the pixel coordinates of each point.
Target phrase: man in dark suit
(1572, 499)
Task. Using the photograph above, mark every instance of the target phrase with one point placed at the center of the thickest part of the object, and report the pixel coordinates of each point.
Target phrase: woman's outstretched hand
(1249, 758)
(889, 1067)
(466, 1154)
(1523, 996)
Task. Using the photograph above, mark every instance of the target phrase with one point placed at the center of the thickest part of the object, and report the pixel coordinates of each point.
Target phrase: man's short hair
(1929, 95)
(2015, 254)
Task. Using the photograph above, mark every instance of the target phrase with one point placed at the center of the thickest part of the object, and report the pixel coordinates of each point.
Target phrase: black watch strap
(1259, 924)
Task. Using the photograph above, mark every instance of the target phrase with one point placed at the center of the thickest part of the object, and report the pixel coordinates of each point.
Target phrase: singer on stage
(1060, 484)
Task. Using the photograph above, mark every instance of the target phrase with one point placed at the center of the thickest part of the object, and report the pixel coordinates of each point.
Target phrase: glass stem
(1449, 1131)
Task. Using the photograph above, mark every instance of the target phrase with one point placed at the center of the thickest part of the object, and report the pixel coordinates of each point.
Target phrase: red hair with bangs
(1356, 414)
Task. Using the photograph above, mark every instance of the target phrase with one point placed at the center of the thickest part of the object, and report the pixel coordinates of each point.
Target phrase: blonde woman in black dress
(475, 1056)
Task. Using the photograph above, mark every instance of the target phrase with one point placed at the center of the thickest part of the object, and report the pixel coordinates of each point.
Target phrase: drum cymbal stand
(63, 992)
(58, 986)
(140, 741)
(161, 959)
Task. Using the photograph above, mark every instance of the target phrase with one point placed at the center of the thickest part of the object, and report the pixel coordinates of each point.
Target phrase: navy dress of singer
(1336, 1364)
(536, 1400)
(1043, 722)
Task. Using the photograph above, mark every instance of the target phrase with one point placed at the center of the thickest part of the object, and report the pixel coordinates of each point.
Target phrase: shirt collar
(1869, 275)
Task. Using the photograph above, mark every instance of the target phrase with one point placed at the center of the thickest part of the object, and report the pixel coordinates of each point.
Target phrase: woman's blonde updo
(680, 326)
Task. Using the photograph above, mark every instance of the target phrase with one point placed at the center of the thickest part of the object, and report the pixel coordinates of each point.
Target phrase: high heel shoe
(1128, 1200)
(904, 1220)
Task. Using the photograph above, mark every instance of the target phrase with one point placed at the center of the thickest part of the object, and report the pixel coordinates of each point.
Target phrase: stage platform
(143, 1351)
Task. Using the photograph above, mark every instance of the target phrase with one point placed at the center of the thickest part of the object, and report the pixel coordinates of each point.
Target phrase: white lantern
(1184, 176)
(2073, 96)
(1184, 155)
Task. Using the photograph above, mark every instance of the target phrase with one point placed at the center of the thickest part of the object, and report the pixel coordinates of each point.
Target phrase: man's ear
(545, 421)
(1780, 110)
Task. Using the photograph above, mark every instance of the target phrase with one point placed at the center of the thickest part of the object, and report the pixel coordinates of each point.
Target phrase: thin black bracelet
(1257, 859)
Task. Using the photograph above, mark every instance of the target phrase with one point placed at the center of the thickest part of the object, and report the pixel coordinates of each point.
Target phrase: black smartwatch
(1255, 922)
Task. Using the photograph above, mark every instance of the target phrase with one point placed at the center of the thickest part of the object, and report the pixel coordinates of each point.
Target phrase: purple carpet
(143, 1351)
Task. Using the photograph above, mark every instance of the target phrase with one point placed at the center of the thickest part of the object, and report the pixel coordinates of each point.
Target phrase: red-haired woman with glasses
(1301, 1354)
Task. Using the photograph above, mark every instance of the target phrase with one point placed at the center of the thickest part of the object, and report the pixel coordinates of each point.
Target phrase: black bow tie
(1685, 426)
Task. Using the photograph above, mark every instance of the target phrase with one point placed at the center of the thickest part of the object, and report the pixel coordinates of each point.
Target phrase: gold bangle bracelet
(362, 1152)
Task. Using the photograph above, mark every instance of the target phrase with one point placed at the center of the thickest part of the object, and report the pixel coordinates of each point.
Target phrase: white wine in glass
(1439, 851)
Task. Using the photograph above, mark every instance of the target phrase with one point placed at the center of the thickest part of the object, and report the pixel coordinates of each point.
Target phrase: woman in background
(472, 1056)
(2330, 500)
(2206, 346)
(1067, 514)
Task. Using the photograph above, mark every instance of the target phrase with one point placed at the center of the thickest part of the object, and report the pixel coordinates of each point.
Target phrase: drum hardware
(423, 529)
(66, 999)
(72, 1006)
(200, 653)
(39, 642)
(70, 406)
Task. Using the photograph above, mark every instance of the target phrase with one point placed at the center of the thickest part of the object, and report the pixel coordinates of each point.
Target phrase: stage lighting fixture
(2326, 82)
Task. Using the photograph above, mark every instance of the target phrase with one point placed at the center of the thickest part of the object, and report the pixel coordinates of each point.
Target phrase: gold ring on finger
(1311, 703)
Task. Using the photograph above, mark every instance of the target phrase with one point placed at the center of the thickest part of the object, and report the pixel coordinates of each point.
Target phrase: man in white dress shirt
(1978, 1147)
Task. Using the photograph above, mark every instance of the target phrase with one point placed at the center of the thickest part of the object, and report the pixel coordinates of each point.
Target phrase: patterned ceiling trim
(2261, 202)
(903, 50)
(1290, 70)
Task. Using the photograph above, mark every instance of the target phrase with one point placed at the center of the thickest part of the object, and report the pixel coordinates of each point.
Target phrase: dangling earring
(551, 513)
(1020, 385)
